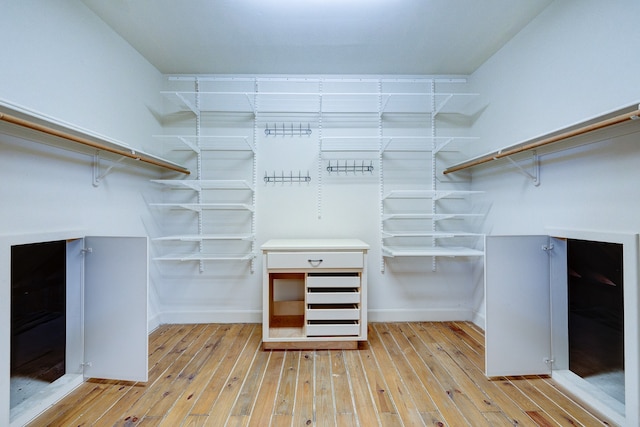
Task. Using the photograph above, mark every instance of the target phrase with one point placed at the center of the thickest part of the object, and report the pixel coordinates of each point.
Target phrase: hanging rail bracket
(97, 176)
(530, 145)
(533, 177)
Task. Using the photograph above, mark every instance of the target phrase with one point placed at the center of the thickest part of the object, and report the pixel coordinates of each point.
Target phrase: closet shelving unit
(206, 198)
(382, 109)
(423, 228)
(428, 219)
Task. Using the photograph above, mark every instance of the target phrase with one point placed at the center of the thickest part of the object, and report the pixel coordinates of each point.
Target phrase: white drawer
(333, 312)
(352, 297)
(333, 329)
(333, 281)
(315, 260)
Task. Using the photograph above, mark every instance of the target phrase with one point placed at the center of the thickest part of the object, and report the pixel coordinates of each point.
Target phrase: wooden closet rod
(634, 115)
(132, 154)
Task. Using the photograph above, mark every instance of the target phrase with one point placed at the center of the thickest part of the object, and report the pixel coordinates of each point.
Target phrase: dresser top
(314, 245)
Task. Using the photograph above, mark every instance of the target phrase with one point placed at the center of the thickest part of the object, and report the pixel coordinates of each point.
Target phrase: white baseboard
(426, 315)
(216, 316)
(153, 323)
(591, 396)
(28, 410)
(478, 319)
(255, 316)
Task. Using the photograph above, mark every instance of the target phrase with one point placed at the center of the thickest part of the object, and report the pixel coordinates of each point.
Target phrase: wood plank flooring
(408, 374)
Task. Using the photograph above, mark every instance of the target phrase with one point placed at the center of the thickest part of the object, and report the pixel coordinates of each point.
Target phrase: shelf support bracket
(533, 176)
(97, 176)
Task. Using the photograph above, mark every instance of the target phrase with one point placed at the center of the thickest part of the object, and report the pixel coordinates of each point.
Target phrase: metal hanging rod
(125, 152)
(354, 167)
(526, 146)
(282, 178)
(288, 130)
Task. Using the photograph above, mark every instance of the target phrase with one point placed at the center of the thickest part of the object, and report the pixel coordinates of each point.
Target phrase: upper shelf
(200, 143)
(601, 122)
(429, 194)
(433, 144)
(31, 121)
(204, 184)
(321, 102)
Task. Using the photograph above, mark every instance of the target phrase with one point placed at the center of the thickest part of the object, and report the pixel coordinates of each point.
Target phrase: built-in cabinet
(106, 315)
(526, 302)
(314, 293)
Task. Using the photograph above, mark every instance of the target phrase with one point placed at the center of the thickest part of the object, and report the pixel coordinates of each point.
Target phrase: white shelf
(320, 102)
(433, 144)
(429, 194)
(199, 207)
(350, 144)
(200, 143)
(199, 185)
(434, 234)
(434, 217)
(206, 257)
(196, 102)
(204, 237)
(409, 251)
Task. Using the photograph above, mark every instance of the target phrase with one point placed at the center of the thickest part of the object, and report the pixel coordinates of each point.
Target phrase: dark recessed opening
(596, 314)
(38, 317)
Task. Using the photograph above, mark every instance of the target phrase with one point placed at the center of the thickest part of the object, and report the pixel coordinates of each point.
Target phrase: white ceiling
(317, 36)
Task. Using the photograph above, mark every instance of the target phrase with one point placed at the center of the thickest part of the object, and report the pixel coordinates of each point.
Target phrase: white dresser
(314, 293)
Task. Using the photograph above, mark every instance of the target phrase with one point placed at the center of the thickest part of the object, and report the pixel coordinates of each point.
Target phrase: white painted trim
(153, 323)
(423, 315)
(213, 316)
(28, 410)
(590, 395)
(255, 316)
(478, 319)
(631, 275)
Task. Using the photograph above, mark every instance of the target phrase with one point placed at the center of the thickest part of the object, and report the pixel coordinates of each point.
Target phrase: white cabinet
(517, 301)
(526, 301)
(314, 293)
(106, 315)
(115, 307)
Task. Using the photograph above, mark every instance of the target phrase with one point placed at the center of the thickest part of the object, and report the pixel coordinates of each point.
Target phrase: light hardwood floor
(409, 374)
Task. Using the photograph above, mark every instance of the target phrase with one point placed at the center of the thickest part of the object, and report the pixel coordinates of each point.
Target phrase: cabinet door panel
(116, 335)
(517, 291)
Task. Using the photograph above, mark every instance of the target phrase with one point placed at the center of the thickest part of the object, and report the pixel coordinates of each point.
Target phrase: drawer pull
(314, 262)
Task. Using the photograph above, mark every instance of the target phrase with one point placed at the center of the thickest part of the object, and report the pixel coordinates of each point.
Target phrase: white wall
(574, 61)
(59, 60)
(329, 206)
(577, 60)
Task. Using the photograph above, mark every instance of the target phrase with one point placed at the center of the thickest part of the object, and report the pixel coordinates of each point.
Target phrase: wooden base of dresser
(310, 345)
